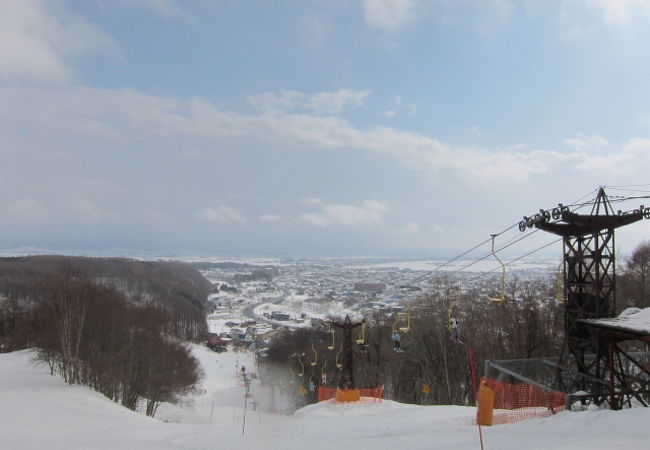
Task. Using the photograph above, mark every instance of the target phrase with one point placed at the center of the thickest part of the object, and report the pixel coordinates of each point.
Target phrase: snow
(631, 319)
(40, 411)
(217, 322)
(446, 266)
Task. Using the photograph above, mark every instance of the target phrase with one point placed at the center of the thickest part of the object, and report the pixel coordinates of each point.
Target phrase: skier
(396, 344)
(453, 328)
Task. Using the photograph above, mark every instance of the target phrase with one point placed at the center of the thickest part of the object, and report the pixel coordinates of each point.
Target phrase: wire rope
(574, 206)
(513, 241)
(630, 190)
(555, 241)
(620, 186)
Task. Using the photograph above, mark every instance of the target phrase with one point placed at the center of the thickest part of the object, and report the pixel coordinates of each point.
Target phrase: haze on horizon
(360, 127)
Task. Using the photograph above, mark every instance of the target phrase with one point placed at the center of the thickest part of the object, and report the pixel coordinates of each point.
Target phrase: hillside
(41, 411)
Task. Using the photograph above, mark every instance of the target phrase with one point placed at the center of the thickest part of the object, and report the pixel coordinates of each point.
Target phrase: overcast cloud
(404, 127)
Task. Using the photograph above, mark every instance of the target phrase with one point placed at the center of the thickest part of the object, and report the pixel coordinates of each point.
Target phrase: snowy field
(362, 263)
(40, 412)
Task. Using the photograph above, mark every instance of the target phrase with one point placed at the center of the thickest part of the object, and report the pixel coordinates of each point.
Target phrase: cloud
(319, 220)
(369, 212)
(582, 142)
(616, 12)
(312, 201)
(476, 133)
(221, 214)
(335, 102)
(38, 38)
(27, 209)
(494, 13)
(581, 19)
(82, 209)
(633, 155)
(594, 153)
(314, 30)
(68, 209)
(393, 16)
(170, 9)
(271, 218)
(389, 15)
(322, 103)
(502, 166)
(411, 227)
(399, 106)
(119, 115)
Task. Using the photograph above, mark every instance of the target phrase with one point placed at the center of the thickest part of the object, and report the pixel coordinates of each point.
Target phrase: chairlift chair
(407, 328)
(313, 363)
(395, 323)
(450, 314)
(331, 347)
(501, 296)
(302, 365)
(362, 334)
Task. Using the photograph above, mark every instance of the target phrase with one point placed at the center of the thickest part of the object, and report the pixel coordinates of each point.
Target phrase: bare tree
(635, 280)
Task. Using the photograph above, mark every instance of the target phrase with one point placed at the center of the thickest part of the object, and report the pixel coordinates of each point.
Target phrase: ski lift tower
(346, 381)
(589, 277)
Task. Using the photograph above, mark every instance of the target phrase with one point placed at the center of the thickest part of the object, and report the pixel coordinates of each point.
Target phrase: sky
(315, 127)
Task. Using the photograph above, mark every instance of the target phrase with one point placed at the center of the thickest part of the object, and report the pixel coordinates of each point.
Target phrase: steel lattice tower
(347, 359)
(589, 274)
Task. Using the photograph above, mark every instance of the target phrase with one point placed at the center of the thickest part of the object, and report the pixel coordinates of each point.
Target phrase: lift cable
(496, 251)
(621, 186)
(628, 190)
(555, 241)
(435, 269)
(577, 206)
(528, 235)
(626, 199)
(574, 206)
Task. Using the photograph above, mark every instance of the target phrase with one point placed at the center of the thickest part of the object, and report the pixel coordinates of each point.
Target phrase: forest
(116, 325)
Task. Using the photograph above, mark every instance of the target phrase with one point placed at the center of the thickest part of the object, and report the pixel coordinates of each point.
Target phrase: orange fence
(510, 403)
(325, 393)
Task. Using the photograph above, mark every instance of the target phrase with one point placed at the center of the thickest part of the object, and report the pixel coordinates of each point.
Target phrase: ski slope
(39, 411)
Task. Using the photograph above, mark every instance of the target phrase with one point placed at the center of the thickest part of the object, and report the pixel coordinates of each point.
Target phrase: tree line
(529, 327)
(116, 325)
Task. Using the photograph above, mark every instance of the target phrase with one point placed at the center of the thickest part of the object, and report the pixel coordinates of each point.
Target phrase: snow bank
(368, 406)
(39, 411)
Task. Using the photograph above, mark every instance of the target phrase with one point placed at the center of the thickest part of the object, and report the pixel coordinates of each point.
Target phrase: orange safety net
(516, 402)
(325, 393)
(348, 395)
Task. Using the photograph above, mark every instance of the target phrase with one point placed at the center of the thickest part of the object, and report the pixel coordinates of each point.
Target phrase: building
(376, 288)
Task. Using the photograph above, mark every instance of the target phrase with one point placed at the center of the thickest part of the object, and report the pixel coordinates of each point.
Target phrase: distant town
(251, 300)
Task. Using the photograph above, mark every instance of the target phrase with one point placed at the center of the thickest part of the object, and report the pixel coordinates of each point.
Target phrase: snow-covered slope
(38, 411)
